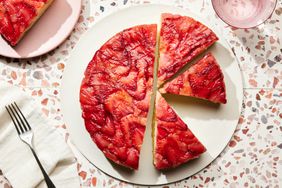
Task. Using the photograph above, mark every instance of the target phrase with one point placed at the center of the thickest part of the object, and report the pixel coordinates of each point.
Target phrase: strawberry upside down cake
(116, 90)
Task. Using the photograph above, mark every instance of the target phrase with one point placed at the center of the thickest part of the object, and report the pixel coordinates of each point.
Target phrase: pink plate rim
(56, 43)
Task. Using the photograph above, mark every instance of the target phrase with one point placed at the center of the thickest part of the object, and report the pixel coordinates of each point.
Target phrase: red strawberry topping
(174, 143)
(116, 92)
(16, 16)
(202, 80)
(181, 39)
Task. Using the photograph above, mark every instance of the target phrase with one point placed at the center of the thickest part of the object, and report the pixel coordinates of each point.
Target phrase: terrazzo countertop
(253, 158)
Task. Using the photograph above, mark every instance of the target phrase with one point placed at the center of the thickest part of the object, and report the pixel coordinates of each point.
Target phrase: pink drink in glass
(244, 13)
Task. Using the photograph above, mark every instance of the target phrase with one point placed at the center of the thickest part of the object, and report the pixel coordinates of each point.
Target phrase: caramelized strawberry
(101, 141)
(181, 39)
(133, 158)
(174, 143)
(138, 136)
(202, 80)
(119, 104)
(116, 92)
(121, 153)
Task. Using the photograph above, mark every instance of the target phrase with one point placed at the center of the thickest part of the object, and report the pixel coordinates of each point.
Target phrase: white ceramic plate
(213, 125)
(50, 31)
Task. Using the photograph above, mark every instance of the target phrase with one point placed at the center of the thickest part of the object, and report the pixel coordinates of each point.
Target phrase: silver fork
(25, 133)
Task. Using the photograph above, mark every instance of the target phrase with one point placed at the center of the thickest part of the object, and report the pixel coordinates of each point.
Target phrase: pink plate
(49, 32)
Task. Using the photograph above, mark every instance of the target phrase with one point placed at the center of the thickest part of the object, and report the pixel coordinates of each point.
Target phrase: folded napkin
(16, 160)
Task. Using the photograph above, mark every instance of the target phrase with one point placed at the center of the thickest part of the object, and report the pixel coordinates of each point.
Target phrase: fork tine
(22, 124)
(13, 120)
(26, 122)
(16, 119)
(18, 124)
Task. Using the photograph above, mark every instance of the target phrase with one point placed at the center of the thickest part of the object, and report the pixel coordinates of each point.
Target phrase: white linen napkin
(16, 159)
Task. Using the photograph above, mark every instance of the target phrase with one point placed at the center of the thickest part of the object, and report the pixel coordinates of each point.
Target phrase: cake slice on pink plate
(18, 16)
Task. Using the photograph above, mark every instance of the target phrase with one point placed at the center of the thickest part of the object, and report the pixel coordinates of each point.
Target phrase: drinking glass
(244, 13)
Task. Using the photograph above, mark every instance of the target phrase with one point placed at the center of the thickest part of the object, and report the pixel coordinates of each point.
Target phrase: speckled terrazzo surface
(254, 155)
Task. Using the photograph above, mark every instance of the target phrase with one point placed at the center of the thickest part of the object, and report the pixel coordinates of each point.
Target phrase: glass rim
(212, 1)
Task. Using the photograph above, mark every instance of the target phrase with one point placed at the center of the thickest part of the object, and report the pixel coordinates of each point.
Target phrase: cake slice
(174, 143)
(181, 39)
(116, 92)
(18, 16)
(202, 80)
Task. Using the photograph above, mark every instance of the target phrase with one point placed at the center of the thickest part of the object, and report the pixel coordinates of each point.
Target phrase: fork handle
(48, 181)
